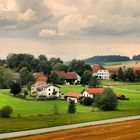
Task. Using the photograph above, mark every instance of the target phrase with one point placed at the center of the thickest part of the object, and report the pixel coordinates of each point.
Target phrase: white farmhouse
(91, 92)
(100, 72)
(47, 90)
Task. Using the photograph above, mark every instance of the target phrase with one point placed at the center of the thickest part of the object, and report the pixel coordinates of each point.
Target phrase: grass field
(38, 114)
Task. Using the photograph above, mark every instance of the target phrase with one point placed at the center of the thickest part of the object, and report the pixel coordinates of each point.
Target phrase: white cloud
(49, 33)
(29, 15)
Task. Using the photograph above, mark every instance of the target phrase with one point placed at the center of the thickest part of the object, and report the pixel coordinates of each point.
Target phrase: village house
(100, 72)
(40, 77)
(69, 77)
(72, 96)
(91, 92)
(47, 90)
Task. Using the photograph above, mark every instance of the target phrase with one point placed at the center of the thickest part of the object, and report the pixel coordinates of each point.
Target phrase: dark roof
(66, 75)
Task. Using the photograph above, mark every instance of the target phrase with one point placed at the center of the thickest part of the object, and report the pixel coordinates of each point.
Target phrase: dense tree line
(107, 58)
(136, 57)
(27, 64)
(126, 75)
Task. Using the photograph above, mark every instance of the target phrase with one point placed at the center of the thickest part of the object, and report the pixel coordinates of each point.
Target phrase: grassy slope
(28, 108)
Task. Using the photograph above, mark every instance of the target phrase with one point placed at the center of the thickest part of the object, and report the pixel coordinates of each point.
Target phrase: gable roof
(40, 77)
(97, 67)
(136, 69)
(43, 85)
(94, 90)
(72, 94)
(66, 75)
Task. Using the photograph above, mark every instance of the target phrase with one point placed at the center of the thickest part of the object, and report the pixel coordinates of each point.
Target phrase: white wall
(49, 91)
(85, 94)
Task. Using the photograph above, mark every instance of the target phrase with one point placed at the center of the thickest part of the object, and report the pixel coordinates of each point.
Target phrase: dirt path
(129, 130)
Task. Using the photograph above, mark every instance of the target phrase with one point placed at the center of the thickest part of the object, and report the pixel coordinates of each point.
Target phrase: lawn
(28, 108)
(72, 88)
(39, 114)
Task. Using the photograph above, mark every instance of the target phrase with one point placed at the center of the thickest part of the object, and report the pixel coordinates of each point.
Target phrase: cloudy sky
(70, 28)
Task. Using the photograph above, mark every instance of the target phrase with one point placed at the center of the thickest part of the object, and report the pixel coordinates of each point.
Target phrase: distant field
(118, 63)
(115, 65)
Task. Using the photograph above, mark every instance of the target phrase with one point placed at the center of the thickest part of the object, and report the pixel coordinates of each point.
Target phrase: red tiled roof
(40, 77)
(94, 90)
(97, 67)
(136, 69)
(70, 75)
(66, 75)
(72, 94)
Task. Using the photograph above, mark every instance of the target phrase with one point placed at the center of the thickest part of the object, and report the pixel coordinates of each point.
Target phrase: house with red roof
(72, 96)
(91, 92)
(40, 77)
(70, 77)
(100, 72)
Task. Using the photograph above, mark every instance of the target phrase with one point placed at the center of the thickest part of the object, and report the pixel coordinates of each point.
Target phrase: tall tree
(6, 77)
(121, 75)
(60, 67)
(26, 76)
(45, 66)
(94, 83)
(130, 75)
(85, 79)
(78, 66)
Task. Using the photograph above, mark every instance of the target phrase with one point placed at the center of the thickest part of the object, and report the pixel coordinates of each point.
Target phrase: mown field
(39, 114)
(112, 131)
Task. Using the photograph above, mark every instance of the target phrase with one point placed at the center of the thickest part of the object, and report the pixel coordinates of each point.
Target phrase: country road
(58, 128)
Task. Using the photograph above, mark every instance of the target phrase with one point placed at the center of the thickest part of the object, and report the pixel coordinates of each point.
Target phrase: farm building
(72, 96)
(69, 77)
(40, 77)
(48, 90)
(91, 92)
(100, 72)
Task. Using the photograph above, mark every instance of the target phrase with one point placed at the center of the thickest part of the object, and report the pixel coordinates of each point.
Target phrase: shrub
(6, 111)
(72, 107)
(87, 101)
(106, 101)
(33, 94)
(25, 91)
(15, 88)
(41, 98)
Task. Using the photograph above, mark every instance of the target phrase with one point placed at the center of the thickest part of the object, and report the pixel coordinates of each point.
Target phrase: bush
(6, 112)
(33, 94)
(87, 101)
(15, 88)
(41, 98)
(106, 101)
(72, 107)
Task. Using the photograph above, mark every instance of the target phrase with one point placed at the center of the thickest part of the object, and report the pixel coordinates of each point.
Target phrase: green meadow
(38, 114)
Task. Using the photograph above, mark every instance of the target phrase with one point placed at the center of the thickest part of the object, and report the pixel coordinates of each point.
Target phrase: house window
(49, 94)
(49, 89)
